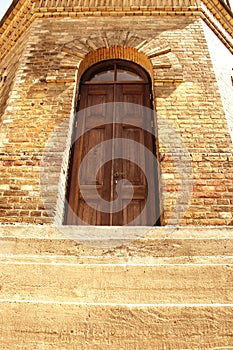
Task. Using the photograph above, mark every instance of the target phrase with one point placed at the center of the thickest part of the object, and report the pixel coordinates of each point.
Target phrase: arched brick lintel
(116, 52)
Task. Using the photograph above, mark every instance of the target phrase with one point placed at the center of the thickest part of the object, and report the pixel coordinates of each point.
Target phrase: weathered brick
(193, 95)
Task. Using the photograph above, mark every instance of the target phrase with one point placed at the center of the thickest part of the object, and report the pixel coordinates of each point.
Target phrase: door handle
(117, 175)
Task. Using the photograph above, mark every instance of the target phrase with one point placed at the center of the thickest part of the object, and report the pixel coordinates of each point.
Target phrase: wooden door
(118, 193)
(82, 185)
(132, 121)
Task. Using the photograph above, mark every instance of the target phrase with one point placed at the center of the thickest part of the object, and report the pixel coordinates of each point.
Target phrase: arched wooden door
(112, 187)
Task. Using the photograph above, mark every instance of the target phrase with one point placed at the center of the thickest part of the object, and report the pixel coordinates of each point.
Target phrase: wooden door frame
(131, 66)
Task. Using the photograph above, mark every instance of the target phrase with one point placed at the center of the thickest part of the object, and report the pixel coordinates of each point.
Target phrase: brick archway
(154, 54)
(116, 52)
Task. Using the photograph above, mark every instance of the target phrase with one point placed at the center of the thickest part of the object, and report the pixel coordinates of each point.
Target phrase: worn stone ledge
(70, 326)
(162, 232)
(116, 245)
(169, 289)
(117, 283)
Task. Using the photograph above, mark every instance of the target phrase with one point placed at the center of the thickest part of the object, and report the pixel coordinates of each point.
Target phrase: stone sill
(99, 246)
(100, 232)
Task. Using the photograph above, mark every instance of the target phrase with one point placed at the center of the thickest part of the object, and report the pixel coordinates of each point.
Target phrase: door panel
(133, 212)
(132, 120)
(95, 129)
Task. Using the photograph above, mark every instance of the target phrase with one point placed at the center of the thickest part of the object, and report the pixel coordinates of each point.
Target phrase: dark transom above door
(110, 166)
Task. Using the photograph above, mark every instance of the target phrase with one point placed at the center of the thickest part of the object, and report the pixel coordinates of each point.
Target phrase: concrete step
(133, 284)
(170, 289)
(78, 326)
(181, 245)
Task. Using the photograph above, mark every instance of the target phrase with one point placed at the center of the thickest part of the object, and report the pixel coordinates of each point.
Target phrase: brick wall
(195, 109)
(222, 61)
(187, 97)
(9, 67)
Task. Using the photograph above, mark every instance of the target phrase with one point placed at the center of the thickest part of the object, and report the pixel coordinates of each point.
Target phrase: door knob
(117, 175)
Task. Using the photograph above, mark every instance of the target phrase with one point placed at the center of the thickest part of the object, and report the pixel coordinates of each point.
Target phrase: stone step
(117, 283)
(136, 260)
(83, 290)
(77, 326)
(159, 244)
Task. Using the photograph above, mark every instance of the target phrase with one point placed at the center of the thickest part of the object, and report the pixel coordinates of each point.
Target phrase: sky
(4, 4)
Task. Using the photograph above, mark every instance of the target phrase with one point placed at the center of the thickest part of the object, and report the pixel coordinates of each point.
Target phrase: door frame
(145, 80)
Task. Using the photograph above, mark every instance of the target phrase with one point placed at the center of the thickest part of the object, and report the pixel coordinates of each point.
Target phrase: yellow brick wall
(223, 64)
(186, 95)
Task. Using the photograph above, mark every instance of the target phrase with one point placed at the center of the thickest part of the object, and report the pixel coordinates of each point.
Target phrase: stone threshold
(116, 245)
(86, 233)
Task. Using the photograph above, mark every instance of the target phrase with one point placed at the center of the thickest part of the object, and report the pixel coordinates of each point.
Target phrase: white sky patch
(4, 5)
